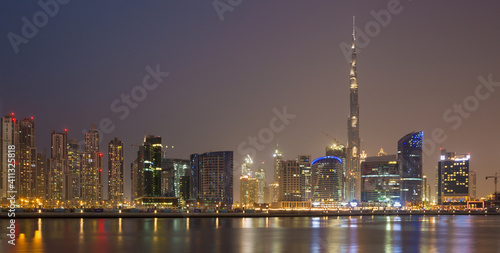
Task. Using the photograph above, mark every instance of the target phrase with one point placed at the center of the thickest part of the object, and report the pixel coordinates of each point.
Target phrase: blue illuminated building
(327, 179)
(410, 157)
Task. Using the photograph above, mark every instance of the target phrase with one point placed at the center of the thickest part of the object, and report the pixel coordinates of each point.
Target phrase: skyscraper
(353, 140)
(26, 158)
(91, 181)
(74, 164)
(42, 176)
(453, 176)
(290, 181)
(58, 167)
(7, 140)
(260, 175)
(380, 179)
(212, 177)
(115, 170)
(137, 175)
(327, 179)
(152, 166)
(472, 184)
(410, 157)
(248, 190)
(278, 157)
(246, 167)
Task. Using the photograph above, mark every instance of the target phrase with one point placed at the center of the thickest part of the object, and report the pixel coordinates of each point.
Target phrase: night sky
(226, 77)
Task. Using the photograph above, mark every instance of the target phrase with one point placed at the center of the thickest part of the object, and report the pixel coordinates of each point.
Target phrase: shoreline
(33, 215)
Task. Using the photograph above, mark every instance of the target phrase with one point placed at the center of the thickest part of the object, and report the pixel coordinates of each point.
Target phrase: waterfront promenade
(292, 213)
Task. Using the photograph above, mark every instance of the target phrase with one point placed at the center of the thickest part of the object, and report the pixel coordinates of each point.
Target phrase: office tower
(326, 179)
(212, 177)
(74, 164)
(472, 184)
(426, 189)
(58, 167)
(453, 176)
(305, 177)
(290, 181)
(91, 172)
(137, 175)
(273, 193)
(9, 127)
(173, 170)
(246, 167)
(380, 179)
(353, 141)
(42, 176)
(184, 188)
(410, 157)
(260, 175)
(152, 166)
(248, 190)
(341, 151)
(115, 170)
(26, 159)
(278, 157)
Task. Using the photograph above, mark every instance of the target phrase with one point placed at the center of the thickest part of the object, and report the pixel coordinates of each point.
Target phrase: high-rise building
(353, 179)
(260, 175)
(472, 184)
(91, 172)
(173, 170)
(26, 159)
(341, 151)
(152, 166)
(74, 164)
(290, 184)
(327, 179)
(115, 170)
(137, 175)
(42, 176)
(410, 157)
(184, 188)
(426, 189)
(248, 190)
(246, 167)
(453, 176)
(278, 157)
(58, 167)
(212, 177)
(8, 142)
(380, 179)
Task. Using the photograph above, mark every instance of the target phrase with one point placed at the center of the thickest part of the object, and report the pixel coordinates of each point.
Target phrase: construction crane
(496, 180)
(334, 140)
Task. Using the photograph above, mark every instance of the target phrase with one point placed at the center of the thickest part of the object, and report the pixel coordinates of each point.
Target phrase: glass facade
(410, 157)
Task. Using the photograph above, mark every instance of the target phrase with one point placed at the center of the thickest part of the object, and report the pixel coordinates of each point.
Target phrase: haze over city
(227, 76)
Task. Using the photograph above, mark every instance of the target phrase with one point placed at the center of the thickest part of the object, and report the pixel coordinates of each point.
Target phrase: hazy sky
(226, 77)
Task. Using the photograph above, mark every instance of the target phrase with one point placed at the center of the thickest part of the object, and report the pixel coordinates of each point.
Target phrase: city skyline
(240, 114)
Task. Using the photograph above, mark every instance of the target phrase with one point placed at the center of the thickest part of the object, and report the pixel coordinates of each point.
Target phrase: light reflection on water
(273, 234)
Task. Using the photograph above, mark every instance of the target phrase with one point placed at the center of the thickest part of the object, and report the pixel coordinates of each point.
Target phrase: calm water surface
(301, 234)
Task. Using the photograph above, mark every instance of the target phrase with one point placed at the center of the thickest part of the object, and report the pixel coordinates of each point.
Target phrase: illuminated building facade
(248, 190)
(340, 151)
(327, 179)
(115, 170)
(42, 176)
(26, 159)
(410, 158)
(472, 184)
(212, 177)
(58, 167)
(172, 171)
(260, 175)
(152, 166)
(91, 173)
(291, 184)
(137, 175)
(74, 163)
(453, 176)
(380, 179)
(8, 129)
(353, 179)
